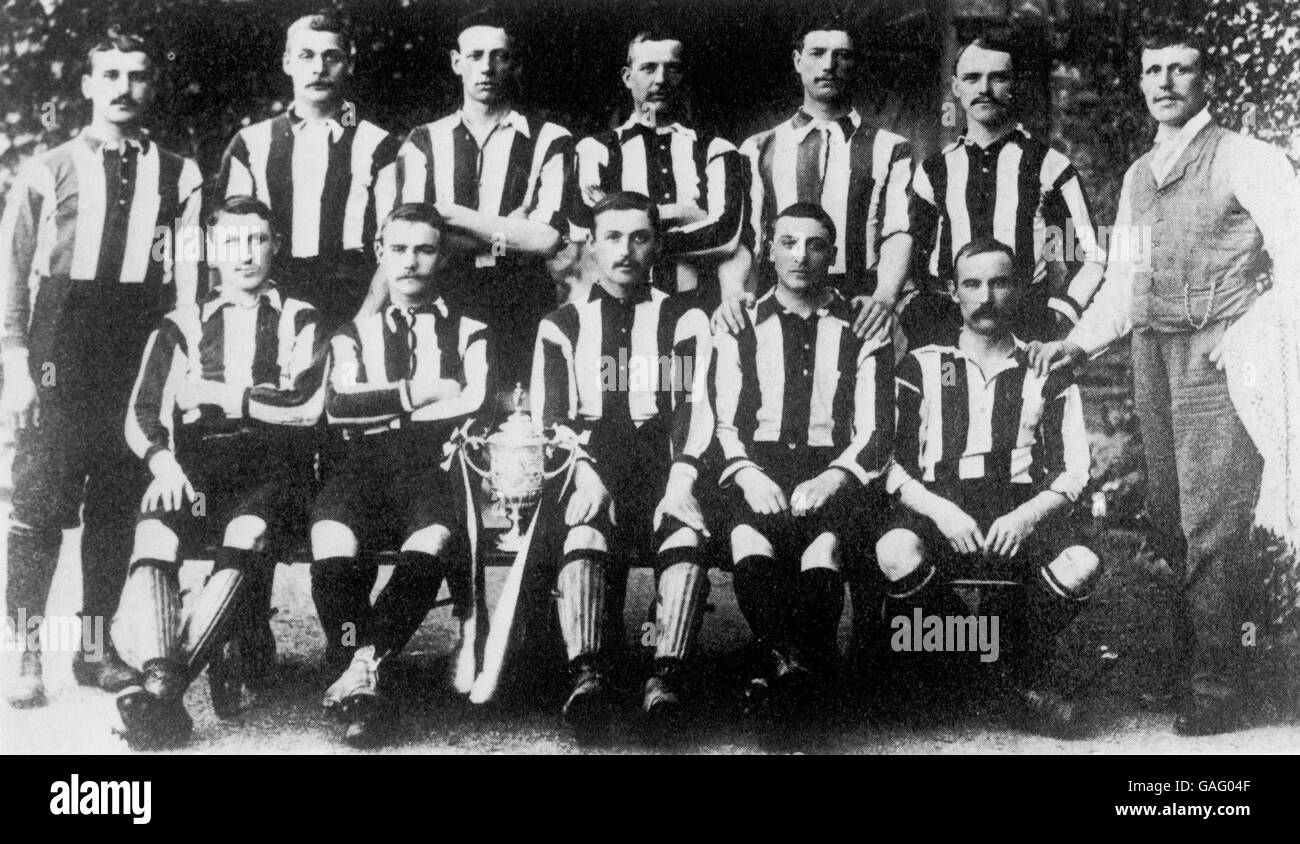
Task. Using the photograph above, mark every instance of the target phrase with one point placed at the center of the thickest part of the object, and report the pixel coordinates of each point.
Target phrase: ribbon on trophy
(518, 453)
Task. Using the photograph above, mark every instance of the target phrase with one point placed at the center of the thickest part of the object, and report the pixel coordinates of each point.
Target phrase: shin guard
(582, 592)
(679, 606)
(220, 606)
(148, 622)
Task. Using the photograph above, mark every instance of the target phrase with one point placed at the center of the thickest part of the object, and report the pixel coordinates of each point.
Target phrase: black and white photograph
(595, 377)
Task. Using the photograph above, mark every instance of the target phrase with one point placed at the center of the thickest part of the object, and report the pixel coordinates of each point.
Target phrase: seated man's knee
(154, 540)
(682, 537)
(1077, 570)
(822, 553)
(432, 540)
(332, 539)
(746, 541)
(245, 533)
(582, 537)
(899, 553)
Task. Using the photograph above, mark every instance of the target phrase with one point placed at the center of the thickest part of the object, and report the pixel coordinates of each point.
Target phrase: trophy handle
(563, 437)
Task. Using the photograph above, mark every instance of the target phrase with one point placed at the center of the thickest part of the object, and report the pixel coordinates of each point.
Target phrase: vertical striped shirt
(376, 357)
(671, 165)
(803, 382)
(523, 164)
(956, 422)
(858, 173)
(604, 363)
(317, 177)
(269, 357)
(1018, 190)
(85, 211)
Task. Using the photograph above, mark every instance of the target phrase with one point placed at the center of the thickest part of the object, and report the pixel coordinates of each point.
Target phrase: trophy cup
(517, 455)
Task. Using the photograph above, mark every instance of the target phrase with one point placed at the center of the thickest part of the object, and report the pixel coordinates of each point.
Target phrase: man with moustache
(498, 178)
(629, 366)
(695, 177)
(89, 260)
(989, 458)
(317, 167)
(1220, 212)
(400, 383)
(998, 181)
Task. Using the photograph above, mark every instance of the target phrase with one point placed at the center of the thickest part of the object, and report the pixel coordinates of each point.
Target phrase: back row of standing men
(81, 224)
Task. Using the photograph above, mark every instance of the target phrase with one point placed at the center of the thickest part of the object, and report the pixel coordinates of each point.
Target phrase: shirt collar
(438, 308)
(635, 124)
(768, 305)
(1018, 134)
(1184, 134)
(1018, 359)
(216, 301)
(640, 293)
(297, 122)
(514, 119)
(99, 146)
(803, 123)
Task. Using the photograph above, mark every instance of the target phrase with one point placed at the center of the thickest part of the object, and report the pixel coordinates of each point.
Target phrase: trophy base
(511, 542)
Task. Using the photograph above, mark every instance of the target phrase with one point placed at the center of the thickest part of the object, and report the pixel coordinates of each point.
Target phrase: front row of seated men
(781, 436)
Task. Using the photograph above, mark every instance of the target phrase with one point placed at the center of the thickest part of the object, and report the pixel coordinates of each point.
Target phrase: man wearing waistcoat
(1220, 210)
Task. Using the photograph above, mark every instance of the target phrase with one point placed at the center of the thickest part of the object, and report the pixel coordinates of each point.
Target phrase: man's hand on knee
(761, 492)
(590, 496)
(811, 495)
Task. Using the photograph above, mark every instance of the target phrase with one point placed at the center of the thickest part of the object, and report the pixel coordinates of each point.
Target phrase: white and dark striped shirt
(269, 356)
(376, 357)
(524, 163)
(956, 423)
(858, 173)
(796, 382)
(1017, 190)
(604, 363)
(87, 212)
(670, 164)
(317, 177)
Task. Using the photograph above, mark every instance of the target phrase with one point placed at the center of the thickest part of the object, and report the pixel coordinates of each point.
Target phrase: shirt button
(663, 169)
(792, 446)
(805, 372)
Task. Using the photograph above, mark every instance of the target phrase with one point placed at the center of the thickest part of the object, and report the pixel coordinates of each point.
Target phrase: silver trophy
(517, 456)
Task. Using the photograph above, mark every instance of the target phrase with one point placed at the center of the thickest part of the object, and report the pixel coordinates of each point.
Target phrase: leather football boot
(107, 671)
(587, 709)
(152, 724)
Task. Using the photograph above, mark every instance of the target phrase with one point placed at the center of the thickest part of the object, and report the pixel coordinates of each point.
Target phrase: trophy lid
(518, 428)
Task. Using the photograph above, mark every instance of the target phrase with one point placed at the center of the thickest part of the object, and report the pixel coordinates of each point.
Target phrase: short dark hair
(652, 34)
(985, 246)
(999, 39)
(805, 211)
(323, 21)
(626, 200)
(240, 205)
(1169, 33)
(414, 212)
(125, 40)
(831, 24)
(485, 18)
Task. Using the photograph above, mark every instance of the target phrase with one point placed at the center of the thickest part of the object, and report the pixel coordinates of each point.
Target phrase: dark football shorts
(854, 515)
(263, 472)
(388, 486)
(985, 501)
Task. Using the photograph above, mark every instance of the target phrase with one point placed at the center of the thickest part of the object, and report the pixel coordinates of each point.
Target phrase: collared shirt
(377, 357)
(318, 177)
(604, 363)
(957, 422)
(523, 163)
(671, 165)
(798, 381)
(858, 173)
(85, 211)
(1017, 190)
(1171, 142)
(1263, 182)
(268, 354)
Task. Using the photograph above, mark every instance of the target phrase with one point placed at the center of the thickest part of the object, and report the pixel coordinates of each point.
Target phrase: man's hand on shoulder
(1045, 358)
(875, 318)
(729, 318)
